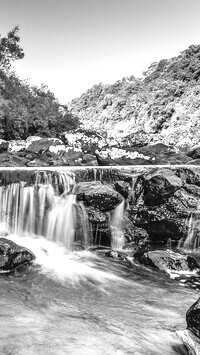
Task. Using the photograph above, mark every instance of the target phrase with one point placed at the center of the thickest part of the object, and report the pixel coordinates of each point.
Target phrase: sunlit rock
(16, 146)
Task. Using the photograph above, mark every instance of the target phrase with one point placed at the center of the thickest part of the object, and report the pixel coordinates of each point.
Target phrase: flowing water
(80, 302)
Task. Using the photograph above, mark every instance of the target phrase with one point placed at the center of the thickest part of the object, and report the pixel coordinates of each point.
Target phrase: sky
(71, 45)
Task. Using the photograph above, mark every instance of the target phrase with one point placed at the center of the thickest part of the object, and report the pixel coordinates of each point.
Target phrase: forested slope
(163, 106)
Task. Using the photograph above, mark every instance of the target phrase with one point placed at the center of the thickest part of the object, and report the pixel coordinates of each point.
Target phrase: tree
(10, 48)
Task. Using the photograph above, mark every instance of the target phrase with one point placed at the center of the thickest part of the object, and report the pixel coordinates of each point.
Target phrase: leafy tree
(10, 49)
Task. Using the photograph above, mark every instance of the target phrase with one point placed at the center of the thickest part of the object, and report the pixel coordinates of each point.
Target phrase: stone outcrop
(167, 260)
(13, 255)
(97, 195)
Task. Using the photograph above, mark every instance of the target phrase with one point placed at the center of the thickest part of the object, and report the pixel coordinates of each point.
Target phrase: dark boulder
(101, 228)
(168, 260)
(97, 195)
(123, 188)
(3, 146)
(159, 185)
(193, 318)
(13, 255)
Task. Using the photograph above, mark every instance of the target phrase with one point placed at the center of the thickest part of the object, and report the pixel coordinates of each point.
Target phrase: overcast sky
(70, 45)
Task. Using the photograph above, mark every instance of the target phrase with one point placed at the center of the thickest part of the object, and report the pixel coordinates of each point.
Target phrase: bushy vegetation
(164, 103)
(25, 109)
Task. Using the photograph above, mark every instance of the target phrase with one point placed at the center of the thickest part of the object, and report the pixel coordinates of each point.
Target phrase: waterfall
(45, 208)
(192, 240)
(117, 235)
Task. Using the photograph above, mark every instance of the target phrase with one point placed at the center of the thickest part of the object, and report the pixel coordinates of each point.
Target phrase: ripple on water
(79, 303)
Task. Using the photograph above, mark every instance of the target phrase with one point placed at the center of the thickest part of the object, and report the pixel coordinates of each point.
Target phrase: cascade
(117, 235)
(45, 208)
(192, 240)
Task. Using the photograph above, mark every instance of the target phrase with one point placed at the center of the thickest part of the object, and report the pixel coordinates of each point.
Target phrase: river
(83, 303)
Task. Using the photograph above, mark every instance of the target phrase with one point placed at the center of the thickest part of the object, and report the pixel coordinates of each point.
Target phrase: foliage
(24, 109)
(10, 49)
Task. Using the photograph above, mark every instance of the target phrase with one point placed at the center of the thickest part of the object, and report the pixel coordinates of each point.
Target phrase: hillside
(163, 106)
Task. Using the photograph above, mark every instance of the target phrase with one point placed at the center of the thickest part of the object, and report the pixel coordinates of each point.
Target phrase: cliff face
(163, 106)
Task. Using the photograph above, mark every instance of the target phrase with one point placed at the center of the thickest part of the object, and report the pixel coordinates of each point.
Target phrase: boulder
(3, 145)
(16, 146)
(13, 255)
(191, 342)
(159, 185)
(31, 139)
(168, 260)
(100, 223)
(193, 319)
(97, 195)
(123, 188)
(45, 144)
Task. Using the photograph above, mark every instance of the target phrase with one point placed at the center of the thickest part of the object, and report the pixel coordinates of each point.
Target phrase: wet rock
(100, 223)
(159, 185)
(193, 318)
(134, 234)
(191, 342)
(97, 195)
(168, 260)
(123, 188)
(114, 254)
(13, 255)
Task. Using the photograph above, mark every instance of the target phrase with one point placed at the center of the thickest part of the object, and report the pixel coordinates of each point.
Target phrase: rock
(193, 318)
(134, 234)
(89, 160)
(159, 185)
(97, 195)
(168, 260)
(10, 159)
(119, 156)
(3, 146)
(100, 222)
(37, 163)
(13, 255)
(31, 139)
(114, 254)
(194, 153)
(42, 145)
(191, 342)
(123, 188)
(136, 139)
(85, 140)
(16, 146)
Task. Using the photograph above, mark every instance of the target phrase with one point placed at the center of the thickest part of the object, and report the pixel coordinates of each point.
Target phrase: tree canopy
(10, 48)
(26, 109)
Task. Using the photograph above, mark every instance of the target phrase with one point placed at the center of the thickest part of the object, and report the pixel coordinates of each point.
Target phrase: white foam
(59, 264)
